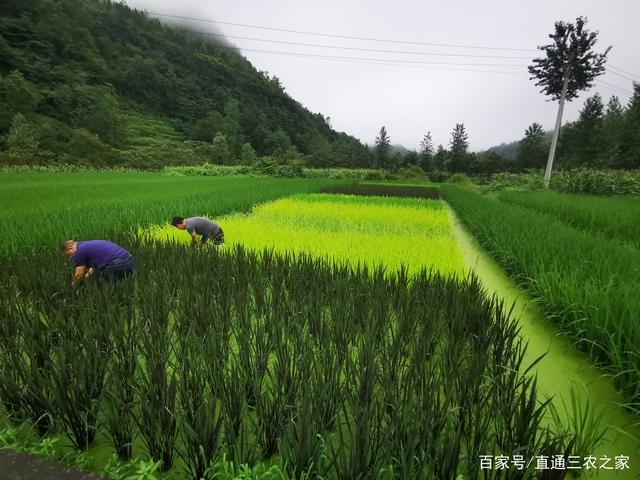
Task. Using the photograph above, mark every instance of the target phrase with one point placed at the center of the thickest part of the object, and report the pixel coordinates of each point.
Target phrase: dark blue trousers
(118, 268)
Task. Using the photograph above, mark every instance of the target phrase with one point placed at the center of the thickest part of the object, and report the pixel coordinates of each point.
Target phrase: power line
(356, 48)
(385, 60)
(620, 75)
(625, 72)
(377, 61)
(397, 63)
(614, 86)
(351, 37)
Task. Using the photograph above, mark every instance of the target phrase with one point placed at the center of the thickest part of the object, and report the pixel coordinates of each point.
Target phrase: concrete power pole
(556, 131)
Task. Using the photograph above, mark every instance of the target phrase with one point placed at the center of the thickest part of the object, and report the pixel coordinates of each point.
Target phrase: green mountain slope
(97, 82)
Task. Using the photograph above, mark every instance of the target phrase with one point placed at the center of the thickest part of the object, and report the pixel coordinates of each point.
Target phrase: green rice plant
(78, 369)
(384, 190)
(301, 444)
(11, 359)
(25, 369)
(360, 432)
(238, 433)
(201, 415)
(355, 371)
(616, 217)
(120, 385)
(54, 206)
(584, 283)
(579, 421)
(157, 419)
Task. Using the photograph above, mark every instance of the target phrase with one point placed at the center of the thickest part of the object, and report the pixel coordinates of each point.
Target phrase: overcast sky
(410, 99)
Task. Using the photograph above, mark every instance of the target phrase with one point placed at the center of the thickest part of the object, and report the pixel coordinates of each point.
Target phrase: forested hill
(91, 81)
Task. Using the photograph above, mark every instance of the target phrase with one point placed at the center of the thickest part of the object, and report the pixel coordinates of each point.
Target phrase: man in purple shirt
(111, 261)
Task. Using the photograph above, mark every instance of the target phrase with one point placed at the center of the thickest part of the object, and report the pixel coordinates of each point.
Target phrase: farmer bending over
(109, 260)
(200, 226)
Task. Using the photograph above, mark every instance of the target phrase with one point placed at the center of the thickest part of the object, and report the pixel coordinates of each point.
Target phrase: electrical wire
(351, 37)
(386, 62)
(283, 42)
(389, 60)
(397, 63)
(620, 75)
(614, 86)
(637, 77)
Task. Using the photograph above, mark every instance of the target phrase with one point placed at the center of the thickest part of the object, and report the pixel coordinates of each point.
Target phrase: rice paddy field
(41, 208)
(362, 332)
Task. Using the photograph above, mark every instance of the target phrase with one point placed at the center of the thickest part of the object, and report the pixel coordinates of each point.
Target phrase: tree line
(602, 137)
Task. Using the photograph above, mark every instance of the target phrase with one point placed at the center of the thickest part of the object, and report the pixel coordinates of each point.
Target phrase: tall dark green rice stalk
(121, 386)
(157, 416)
(276, 393)
(579, 421)
(406, 440)
(360, 430)
(80, 361)
(344, 371)
(200, 410)
(27, 341)
(11, 357)
(238, 434)
(301, 445)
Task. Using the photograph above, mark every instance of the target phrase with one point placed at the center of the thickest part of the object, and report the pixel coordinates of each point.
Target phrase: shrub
(22, 139)
(208, 170)
(412, 173)
(438, 176)
(247, 154)
(459, 178)
(529, 181)
(583, 180)
(287, 164)
(347, 173)
(162, 153)
(597, 182)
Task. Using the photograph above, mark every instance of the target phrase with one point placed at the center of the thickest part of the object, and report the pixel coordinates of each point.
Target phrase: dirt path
(20, 466)
(563, 368)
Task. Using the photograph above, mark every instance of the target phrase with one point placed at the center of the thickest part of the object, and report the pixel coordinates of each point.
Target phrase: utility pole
(569, 66)
(556, 131)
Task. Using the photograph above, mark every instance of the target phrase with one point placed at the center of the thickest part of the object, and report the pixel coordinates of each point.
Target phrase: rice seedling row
(339, 371)
(586, 284)
(617, 218)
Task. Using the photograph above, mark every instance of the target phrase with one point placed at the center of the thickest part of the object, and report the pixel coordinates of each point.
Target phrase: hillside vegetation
(96, 82)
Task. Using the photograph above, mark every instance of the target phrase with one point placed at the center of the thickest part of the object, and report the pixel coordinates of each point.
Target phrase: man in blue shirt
(111, 261)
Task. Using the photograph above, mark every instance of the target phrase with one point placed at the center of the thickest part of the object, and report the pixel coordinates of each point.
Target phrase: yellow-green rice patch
(369, 230)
